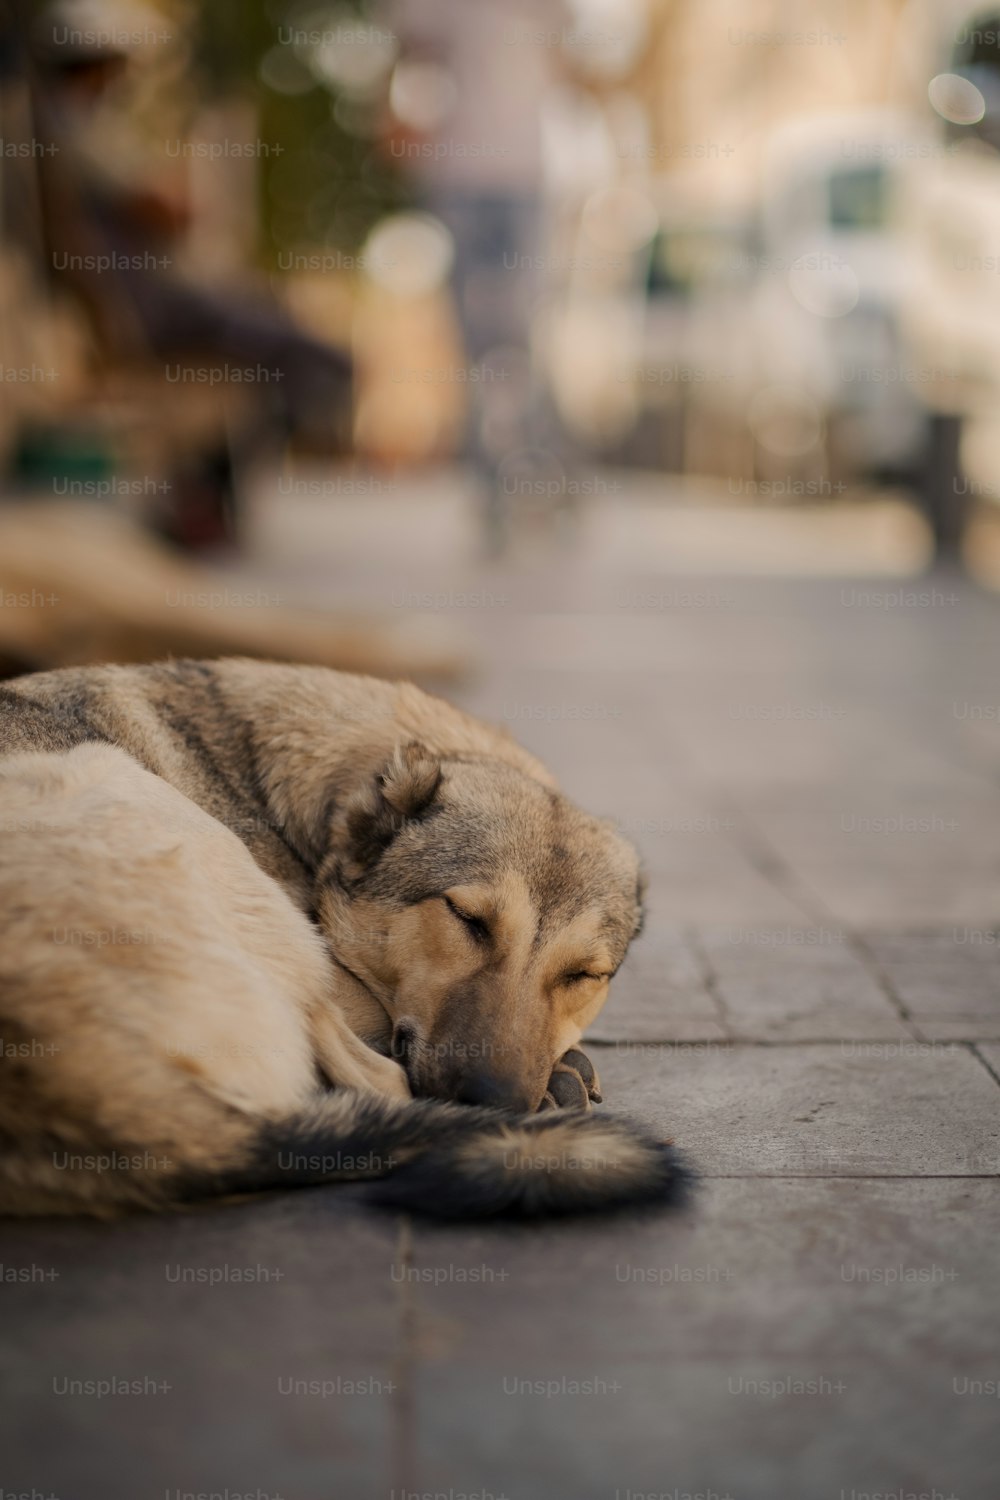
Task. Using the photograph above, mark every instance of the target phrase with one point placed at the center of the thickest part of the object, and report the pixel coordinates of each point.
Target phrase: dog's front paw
(370, 1073)
(574, 1083)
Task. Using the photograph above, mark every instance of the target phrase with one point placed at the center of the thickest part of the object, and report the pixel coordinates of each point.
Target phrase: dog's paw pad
(573, 1083)
(581, 1064)
(568, 1089)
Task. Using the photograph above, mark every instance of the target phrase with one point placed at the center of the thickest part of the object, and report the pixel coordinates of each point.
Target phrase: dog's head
(483, 914)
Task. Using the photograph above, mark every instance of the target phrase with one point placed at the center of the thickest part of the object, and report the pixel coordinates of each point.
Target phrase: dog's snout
(495, 1093)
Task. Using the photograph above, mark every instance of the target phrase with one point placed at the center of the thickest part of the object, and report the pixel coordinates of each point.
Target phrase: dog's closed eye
(476, 927)
(581, 975)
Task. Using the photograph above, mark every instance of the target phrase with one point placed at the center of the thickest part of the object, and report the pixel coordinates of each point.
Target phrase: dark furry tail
(450, 1161)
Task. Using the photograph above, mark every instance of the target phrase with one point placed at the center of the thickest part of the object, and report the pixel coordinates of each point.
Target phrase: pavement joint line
(709, 978)
(746, 835)
(885, 984)
(848, 1177)
(991, 1070)
(403, 1444)
(627, 1044)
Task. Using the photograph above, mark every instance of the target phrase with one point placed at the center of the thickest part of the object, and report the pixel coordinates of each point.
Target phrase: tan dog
(229, 889)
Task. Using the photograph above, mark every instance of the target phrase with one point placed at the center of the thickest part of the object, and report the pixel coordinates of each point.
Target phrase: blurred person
(467, 98)
(106, 202)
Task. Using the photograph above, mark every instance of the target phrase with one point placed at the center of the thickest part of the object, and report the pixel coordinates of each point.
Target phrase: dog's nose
(495, 1093)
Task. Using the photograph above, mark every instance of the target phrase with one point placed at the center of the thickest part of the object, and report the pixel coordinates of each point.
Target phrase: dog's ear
(403, 789)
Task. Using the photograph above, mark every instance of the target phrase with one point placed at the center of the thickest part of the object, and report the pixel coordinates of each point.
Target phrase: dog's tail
(454, 1162)
(443, 1160)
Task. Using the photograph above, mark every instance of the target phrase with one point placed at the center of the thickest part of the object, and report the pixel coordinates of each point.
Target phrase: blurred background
(320, 322)
(631, 370)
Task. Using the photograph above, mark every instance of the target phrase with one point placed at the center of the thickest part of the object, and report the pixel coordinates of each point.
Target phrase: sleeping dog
(270, 926)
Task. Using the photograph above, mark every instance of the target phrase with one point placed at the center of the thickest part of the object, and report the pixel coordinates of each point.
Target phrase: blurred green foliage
(327, 182)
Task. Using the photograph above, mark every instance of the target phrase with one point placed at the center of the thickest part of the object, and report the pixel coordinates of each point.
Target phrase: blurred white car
(777, 334)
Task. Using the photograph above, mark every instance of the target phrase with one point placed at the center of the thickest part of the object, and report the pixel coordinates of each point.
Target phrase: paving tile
(754, 735)
(659, 995)
(801, 1337)
(892, 1108)
(315, 1303)
(935, 864)
(787, 1268)
(859, 894)
(778, 982)
(700, 1428)
(948, 978)
(729, 892)
(992, 1056)
(681, 836)
(961, 1029)
(800, 982)
(647, 644)
(626, 1023)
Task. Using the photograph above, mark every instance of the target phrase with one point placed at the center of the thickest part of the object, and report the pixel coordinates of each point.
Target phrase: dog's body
(230, 889)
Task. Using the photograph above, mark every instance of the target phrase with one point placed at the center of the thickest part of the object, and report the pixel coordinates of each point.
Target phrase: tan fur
(226, 886)
(527, 1017)
(167, 988)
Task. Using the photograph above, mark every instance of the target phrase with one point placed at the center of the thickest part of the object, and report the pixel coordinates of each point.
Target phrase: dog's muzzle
(471, 1084)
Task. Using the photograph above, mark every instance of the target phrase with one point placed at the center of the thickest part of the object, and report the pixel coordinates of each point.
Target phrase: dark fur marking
(370, 1139)
(424, 1159)
(182, 722)
(248, 740)
(444, 1184)
(58, 725)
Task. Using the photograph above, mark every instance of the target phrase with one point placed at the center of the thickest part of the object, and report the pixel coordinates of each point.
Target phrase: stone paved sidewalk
(812, 772)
